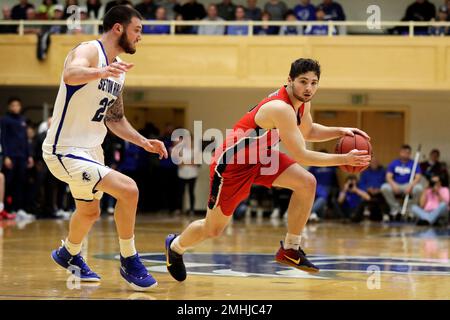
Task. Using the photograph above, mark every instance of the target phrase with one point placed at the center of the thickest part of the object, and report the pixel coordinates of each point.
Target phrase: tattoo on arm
(115, 112)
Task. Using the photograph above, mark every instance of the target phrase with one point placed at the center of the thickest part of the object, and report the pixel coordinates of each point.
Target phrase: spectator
(433, 166)
(181, 29)
(326, 178)
(95, 9)
(158, 29)
(172, 8)
(32, 29)
(441, 17)
(58, 15)
(147, 9)
(16, 157)
(434, 202)
(187, 170)
(192, 10)
(319, 30)
(19, 11)
(351, 198)
(226, 10)
(265, 29)
(6, 11)
(332, 10)
(277, 9)
(397, 177)
(371, 181)
(420, 10)
(238, 30)
(45, 10)
(305, 11)
(252, 12)
(291, 30)
(83, 28)
(212, 16)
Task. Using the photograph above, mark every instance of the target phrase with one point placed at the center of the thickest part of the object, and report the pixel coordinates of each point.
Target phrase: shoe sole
(81, 279)
(302, 268)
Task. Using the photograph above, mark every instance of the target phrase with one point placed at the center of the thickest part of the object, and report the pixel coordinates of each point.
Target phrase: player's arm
(315, 132)
(116, 122)
(81, 66)
(284, 119)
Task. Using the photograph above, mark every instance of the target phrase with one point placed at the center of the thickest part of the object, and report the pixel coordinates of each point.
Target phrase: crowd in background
(165, 10)
(28, 190)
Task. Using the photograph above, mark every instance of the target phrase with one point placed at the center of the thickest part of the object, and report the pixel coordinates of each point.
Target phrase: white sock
(177, 247)
(2, 206)
(292, 241)
(127, 248)
(73, 248)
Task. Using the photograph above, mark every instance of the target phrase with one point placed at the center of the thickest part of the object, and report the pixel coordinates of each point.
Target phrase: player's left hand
(351, 132)
(155, 146)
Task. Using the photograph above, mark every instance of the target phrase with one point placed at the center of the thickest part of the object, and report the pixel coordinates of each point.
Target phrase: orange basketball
(347, 144)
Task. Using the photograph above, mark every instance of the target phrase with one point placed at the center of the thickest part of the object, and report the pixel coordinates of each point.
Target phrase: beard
(125, 44)
(299, 98)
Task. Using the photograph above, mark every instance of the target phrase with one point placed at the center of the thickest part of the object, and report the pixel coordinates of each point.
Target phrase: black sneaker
(174, 261)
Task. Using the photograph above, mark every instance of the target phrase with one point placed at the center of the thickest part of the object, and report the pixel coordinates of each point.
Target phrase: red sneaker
(295, 258)
(7, 216)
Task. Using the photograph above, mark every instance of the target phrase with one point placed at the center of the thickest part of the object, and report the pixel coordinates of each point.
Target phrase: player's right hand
(115, 69)
(358, 158)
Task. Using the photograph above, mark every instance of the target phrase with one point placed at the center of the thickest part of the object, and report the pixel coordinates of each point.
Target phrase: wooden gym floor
(366, 261)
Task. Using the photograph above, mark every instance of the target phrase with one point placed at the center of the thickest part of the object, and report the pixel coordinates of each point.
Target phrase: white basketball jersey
(79, 111)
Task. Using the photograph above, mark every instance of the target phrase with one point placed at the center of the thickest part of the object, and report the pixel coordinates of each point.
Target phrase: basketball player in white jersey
(89, 101)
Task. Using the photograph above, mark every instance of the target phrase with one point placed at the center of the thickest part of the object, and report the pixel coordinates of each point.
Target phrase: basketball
(347, 144)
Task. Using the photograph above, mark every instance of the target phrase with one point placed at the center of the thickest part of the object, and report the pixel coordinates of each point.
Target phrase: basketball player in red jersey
(284, 115)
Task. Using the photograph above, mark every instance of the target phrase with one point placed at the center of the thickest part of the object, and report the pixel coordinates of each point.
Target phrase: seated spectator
(45, 10)
(433, 166)
(291, 30)
(213, 29)
(95, 9)
(158, 29)
(181, 29)
(265, 29)
(397, 185)
(305, 11)
(351, 198)
(192, 10)
(58, 15)
(31, 29)
(252, 12)
(332, 10)
(277, 9)
(70, 4)
(172, 8)
(434, 202)
(147, 9)
(319, 30)
(238, 30)
(420, 10)
(19, 11)
(6, 11)
(226, 10)
(441, 17)
(371, 181)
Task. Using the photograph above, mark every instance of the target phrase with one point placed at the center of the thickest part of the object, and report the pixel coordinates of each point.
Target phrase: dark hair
(13, 99)
(406, 147)
(436, 151)
(119, 14)
(301, 66)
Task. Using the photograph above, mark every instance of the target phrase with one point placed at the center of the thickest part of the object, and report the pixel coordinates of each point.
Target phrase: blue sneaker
(174, 261)
(75, 264)
(136, 274)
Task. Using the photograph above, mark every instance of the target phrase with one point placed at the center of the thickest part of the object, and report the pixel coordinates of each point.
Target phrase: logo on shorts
(86, 176)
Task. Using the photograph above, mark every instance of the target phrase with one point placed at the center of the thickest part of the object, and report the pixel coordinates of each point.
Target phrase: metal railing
(372, 28)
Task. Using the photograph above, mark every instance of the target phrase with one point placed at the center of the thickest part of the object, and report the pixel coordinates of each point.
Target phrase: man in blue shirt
(397, 177)
(305, 11)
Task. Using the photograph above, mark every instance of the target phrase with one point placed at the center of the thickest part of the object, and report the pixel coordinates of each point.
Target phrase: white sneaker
(275, 214)
(63, 214)
(259, 213)
(386, 218)
(22, 215)
(110, 210)
(314, 217)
